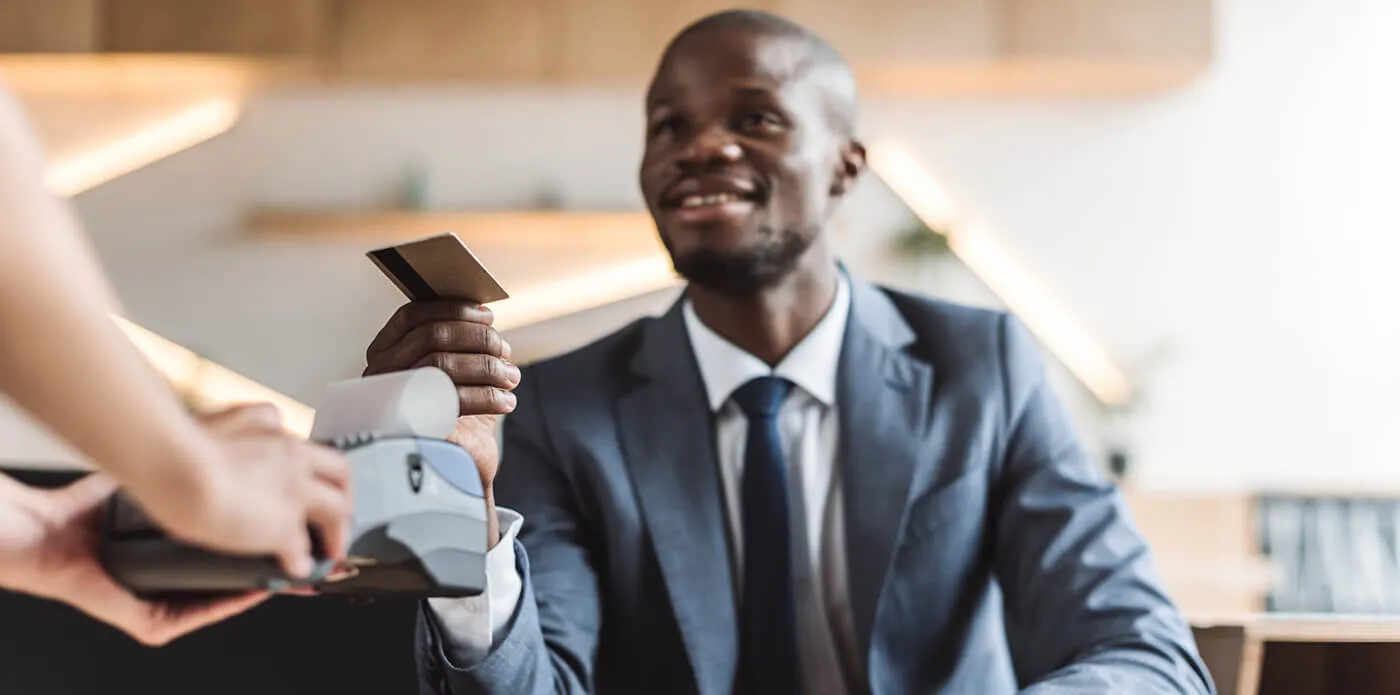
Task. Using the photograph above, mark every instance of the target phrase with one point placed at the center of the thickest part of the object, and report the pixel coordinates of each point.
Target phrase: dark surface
(287, 645)
(1336, 668)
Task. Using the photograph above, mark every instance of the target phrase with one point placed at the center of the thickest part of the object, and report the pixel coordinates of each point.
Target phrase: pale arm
(62, 357)
(235, 482)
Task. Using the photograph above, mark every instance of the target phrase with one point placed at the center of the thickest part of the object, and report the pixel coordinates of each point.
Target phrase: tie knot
(763, 396)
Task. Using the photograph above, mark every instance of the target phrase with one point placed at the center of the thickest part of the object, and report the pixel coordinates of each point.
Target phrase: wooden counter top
(1300, 654)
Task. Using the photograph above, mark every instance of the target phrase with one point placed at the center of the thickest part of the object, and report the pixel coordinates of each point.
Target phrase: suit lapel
(883, 395)
(667, 436)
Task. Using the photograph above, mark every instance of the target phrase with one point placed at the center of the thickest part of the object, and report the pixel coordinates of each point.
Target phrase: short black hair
(823, 57)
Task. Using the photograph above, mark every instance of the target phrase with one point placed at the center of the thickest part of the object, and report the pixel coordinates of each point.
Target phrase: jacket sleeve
(1085, 610)
(551, 641)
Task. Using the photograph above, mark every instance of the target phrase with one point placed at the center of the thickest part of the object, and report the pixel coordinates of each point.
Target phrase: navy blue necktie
(768, 620)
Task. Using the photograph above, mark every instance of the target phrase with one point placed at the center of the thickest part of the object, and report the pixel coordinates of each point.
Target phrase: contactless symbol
(415, 472)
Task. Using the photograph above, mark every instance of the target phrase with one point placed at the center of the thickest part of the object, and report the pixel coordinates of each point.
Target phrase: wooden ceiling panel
(962, 30)
(415, 40)
(281, 28)
(48, 26)
(898, 48)
(1109, 30)
(618, 41)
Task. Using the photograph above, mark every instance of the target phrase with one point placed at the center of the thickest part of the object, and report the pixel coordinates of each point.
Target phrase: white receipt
(416, 403)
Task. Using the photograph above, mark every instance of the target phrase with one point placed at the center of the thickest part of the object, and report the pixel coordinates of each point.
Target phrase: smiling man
(794, 481)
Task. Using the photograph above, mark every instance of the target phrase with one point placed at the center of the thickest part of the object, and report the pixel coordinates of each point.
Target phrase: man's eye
(665, 126)
(761, 119)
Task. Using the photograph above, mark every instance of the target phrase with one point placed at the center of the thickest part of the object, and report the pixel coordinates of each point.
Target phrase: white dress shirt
(808, 422)
(809, 429)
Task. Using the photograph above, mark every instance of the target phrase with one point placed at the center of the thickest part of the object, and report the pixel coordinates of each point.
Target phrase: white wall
(1248, 223)
(1243, 223)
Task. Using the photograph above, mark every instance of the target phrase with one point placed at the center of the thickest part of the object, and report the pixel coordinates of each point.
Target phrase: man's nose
(713, 145)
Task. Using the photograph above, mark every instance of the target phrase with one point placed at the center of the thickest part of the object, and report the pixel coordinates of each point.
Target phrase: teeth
(695, 201)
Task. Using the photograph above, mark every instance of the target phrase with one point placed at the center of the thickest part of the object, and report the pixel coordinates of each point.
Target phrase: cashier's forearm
(62, 356)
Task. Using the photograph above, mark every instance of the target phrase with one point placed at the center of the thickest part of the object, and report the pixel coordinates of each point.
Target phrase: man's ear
(849, 168)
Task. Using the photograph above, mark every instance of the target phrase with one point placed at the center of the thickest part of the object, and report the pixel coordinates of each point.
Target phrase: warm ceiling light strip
(74, 174)
(212, 385)
(585, 291)
(1050, 322)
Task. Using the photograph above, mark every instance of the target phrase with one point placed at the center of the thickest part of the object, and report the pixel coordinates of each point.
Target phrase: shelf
(1025, 78)
(144, 75)
(553, 263)
(521, 247)
(620, 231)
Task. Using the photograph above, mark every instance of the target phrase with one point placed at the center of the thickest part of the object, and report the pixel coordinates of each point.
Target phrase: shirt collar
(811, 364)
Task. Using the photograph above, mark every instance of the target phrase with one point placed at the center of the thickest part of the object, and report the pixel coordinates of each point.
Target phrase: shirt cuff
(472, 624)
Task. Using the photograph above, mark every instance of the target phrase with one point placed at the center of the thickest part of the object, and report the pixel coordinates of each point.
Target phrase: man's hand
(257, 492)
(48, 548)
(457, 337)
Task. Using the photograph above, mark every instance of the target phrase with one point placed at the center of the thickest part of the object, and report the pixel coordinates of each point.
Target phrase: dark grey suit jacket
(986, 552)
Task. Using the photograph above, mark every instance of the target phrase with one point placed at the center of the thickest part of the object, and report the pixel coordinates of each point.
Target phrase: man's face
(741, 158)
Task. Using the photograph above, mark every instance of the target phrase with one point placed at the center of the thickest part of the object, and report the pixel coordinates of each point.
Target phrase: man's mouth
(710, 200)
(715, 208)
(707, 199)
(693, 193)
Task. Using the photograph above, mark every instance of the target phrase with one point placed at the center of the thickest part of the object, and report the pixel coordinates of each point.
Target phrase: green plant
(919, 240)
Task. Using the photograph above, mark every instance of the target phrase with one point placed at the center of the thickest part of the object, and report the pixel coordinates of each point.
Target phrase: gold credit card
(438, 267)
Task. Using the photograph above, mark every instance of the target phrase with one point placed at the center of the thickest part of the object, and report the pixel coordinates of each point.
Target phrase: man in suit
(793, 481)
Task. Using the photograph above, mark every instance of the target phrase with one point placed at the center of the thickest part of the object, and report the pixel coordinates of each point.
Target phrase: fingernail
(505, 349)
(512, 373)
(508, 399)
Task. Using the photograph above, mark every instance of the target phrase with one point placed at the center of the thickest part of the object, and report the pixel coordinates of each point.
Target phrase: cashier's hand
(48, 548)
(258, 490)
(457, 337)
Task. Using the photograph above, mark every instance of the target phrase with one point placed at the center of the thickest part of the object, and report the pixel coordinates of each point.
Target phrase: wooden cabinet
(49, 26)
(416, 40)
(617, 41)
(902, 31)
(1108, 30)
(897, 47)
(247, 27)
(1312, 654)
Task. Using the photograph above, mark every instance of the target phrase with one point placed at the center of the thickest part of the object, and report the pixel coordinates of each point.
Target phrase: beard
(743, 272)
